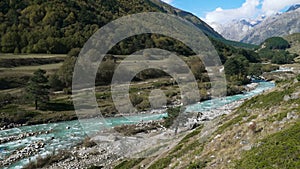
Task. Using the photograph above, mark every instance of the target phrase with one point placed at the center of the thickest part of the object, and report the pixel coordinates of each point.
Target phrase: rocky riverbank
(25, 152)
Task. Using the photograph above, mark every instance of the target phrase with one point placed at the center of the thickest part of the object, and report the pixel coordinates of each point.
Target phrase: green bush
(74, 52)
(173, 113)
(136, 99)
(298, 77)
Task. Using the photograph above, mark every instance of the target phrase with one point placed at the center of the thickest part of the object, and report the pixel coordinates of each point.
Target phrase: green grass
(278, 151)
(266, 100)
(231, 122)
(278, 117)
(162, 163)
(192, 134)
(126, 164)
(197, 165)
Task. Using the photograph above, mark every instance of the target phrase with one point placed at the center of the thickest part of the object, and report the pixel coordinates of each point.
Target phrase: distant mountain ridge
(278, 25)
(294, 7)
(236, 30)
(255, 31)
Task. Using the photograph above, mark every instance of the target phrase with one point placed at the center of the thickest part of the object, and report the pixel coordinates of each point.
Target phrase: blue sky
(222, 11)
(201, 7)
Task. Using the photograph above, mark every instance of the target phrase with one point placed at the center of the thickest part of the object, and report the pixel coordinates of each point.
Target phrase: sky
(222, 11)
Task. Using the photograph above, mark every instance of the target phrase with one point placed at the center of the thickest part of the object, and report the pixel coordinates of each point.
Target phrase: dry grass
(24, 56)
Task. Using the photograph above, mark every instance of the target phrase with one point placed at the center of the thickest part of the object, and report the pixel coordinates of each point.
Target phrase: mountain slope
(294, 7)
(188, 16)
(255, 31)
(237, 29)
(201, 24)
(279, 25)
(58, 26)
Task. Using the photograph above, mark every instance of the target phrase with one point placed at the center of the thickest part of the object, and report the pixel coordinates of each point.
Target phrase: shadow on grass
(59, 107)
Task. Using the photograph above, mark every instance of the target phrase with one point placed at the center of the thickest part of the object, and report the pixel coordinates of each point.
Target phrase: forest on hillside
(58, 26)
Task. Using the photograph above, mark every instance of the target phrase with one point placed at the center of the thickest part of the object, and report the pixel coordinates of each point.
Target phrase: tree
(38, 88)
(65, 72)
(9, 42)
(276, 43)
(55, 83)
(255, 69)
(236, 65)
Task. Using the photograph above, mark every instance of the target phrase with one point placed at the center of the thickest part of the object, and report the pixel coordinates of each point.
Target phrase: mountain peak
(294, 7)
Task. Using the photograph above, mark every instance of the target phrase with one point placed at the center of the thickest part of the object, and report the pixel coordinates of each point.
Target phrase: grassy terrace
(30, 69)
(26, 56)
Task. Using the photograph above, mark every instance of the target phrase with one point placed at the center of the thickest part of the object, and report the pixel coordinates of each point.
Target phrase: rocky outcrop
(293, 96)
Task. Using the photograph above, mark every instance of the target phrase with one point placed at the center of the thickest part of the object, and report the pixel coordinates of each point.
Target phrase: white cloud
(167, 1)
(270, 7)
(249, 9)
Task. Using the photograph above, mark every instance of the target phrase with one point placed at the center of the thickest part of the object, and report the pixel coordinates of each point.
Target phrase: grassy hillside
(294, 41)
(277, 50)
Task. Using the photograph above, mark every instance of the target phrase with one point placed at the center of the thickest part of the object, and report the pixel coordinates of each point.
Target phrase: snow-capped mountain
(237, 29)
(257, 30)
(294, 7)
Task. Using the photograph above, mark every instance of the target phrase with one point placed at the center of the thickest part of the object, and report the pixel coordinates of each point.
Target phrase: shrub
(74, 52)
(173, 113)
